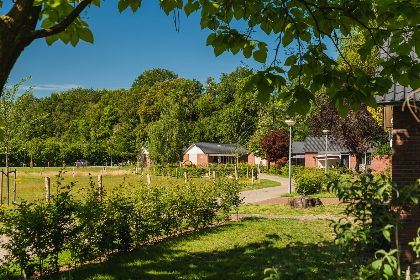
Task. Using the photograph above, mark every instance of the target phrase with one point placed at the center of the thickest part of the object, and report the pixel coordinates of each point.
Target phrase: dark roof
(215, 148)
(298, 147)
(317, 144)
(397, 94)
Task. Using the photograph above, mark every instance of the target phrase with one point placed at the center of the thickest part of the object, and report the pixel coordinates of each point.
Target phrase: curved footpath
(273, 195)
(254, 196)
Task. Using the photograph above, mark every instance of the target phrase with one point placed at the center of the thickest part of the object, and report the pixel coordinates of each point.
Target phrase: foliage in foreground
(373, 209)
(127, 218)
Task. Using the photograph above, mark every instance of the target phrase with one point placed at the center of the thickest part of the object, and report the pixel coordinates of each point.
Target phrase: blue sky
(125, 45)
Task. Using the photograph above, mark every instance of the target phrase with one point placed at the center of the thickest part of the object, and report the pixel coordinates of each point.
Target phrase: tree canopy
(300, 30)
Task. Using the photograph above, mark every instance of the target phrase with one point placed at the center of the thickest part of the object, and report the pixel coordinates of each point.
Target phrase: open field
(237, 250)
(30, 181)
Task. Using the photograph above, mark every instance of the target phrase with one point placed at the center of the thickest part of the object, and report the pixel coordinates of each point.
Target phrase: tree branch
(61, 26)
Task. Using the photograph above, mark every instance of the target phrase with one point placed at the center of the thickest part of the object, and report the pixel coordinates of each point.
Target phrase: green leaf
(122, 5)
(388, 270)
(291, 60)
(86, 35)
(260, 55)
(387, 235)
(51, 39)
(191, 7)
(376, 265)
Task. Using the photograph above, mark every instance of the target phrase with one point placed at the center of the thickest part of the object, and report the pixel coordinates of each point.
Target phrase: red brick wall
(202, 160)
(352, 161)
(381, 164)
(251, 159)
(186, 157)
(310, 160)
(406, 170)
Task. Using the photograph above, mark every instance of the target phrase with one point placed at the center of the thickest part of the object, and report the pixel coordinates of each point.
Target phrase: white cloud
(51, 87)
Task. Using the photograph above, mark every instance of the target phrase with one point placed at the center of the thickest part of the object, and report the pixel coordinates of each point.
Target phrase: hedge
(127, 218)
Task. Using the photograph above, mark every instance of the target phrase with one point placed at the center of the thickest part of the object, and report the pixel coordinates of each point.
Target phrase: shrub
(309, 181)
(373, 208)
(126, 218)
(39, 232)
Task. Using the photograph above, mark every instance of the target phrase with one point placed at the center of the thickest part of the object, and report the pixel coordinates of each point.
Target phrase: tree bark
(16, 33)
(18, 30)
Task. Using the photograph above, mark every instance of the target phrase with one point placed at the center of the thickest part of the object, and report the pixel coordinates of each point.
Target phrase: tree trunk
(16, 33)
(10, 50)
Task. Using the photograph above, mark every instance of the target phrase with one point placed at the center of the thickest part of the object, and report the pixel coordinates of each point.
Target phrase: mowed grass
(282, 209)
(323, 194)
(237, 250)
(258, 184)
(30, 181)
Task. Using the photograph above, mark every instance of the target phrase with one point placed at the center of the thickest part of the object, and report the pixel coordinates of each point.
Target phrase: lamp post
(326, 131)
(290, 123)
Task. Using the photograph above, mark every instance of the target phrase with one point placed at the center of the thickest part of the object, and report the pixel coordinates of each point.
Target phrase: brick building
(405, 127)
(311, 153)
(205, 153)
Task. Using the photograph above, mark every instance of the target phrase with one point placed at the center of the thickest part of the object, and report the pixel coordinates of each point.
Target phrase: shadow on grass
(166, 260)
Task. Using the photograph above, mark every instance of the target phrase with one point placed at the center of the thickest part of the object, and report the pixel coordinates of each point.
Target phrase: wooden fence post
(100, 186)
(14, 186)
(214, 174)
(185, 176)
(8, 186)
(137, 170)
(252, 176)
(149, 179)
(236, 172)
(73, 172)
(1, 188)
(247, 172)
(176, 172)
(47, 189)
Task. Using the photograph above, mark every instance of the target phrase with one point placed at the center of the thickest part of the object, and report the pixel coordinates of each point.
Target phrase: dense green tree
(152, 77)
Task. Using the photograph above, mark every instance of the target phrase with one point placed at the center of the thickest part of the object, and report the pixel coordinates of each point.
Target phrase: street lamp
(290, 123)
(326, 131)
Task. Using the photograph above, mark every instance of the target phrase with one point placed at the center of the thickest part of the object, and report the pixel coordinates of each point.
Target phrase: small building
(311, 153)
(205, 153)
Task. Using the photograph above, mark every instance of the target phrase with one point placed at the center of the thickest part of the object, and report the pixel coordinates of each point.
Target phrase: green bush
(373, 209)
(309, 181)
(126, 218)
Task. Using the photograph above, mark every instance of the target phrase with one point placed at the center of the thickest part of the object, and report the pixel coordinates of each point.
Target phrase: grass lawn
(319, 195)
(259, 184)
(279, 209)
(241, 250)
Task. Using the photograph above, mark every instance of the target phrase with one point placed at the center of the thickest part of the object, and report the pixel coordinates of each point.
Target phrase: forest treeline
(161, 112)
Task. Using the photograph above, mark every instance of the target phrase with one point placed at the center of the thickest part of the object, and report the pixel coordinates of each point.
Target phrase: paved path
(254, 196)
